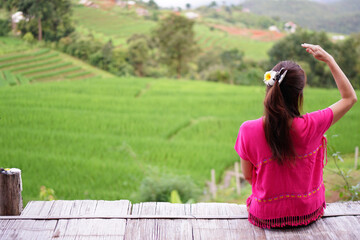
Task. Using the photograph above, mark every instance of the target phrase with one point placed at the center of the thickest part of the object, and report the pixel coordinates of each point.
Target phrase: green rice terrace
(98, 138)
(22, 64)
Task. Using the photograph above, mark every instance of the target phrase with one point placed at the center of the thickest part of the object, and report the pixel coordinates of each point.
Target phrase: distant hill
(339, 16)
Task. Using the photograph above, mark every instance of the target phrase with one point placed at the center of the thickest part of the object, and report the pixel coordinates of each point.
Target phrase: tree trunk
(39, 29)
(13, 24)
(139, 69)
(10, 192)
(178, 70)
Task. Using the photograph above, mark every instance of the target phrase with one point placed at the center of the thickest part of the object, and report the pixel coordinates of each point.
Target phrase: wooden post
(10, 192)
(356, 157)
(213, 184)
(237, 178)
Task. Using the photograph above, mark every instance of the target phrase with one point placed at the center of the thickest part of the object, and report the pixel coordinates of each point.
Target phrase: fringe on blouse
(289, 221)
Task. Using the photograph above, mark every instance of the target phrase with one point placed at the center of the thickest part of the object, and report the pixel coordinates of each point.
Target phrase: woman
(282, 153)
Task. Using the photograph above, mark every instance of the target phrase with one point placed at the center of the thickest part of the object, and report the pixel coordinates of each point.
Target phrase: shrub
(158, 187)
(29, 37)
(4, 27)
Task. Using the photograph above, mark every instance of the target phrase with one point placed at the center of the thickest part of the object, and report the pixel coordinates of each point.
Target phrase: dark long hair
(282, 103)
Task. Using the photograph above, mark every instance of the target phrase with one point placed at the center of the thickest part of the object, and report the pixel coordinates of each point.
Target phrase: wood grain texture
(10, 193)
(341, 221)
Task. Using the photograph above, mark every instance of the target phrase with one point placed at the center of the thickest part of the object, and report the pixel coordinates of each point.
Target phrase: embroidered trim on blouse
(289, 220)
(300, 157)
(289, 195)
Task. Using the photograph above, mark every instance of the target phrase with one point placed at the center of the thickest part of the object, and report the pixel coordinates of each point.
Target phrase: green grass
(106, 25)
(98, 138)
(12, 44)
(41, 64)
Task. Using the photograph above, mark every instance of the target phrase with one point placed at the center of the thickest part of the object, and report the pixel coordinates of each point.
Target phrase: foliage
(4, 27)
(175, 197)
(160, 188)
(152, 4)
(47, 194)
(319, 75)
(119, 64)
(175, 38)
(102, 58)
(290, 48)
(138, 52)
(49, 18)
(347, 191)
(28, 37)
(347, 55)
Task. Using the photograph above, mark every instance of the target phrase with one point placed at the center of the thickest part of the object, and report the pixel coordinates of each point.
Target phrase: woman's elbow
(248, 179)
(354, 100)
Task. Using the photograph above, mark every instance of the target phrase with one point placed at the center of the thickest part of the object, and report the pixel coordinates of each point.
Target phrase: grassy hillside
(21, 63)
(98, 138)
(341, 16)
(119, 25)
(106, 25)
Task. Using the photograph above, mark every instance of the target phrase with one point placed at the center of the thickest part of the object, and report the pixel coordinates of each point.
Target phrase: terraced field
(106, 25)
(118, 27)
(38, 65)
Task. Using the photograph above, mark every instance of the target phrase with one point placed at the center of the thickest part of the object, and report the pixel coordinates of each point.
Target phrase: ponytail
(282, 103)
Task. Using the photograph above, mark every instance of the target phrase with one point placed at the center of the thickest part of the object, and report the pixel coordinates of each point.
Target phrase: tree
(176, 41)
(188, 6)
(347, 56)
(38, 9)
(213, 4)
(152, 4)
(11, 6)
(53, 18)
(233, 59)
(138, 52)
(289, 48)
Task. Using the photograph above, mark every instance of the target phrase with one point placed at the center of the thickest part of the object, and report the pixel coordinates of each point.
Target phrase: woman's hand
(317, 52)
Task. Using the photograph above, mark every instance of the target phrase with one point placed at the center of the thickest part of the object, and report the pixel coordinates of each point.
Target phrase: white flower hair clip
(271, 76)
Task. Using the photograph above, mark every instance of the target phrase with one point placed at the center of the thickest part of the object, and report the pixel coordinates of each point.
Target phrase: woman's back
(283, 162)
(286, 191)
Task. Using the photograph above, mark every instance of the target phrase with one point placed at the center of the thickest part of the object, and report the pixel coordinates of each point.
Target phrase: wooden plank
(332, 226)
(172, 229)
(214, 229)
(94, 228)
(110, 208)
(344, 227)
(29, 230)
(34, 229)
(3, 226)
(159, 228)
(342, 208)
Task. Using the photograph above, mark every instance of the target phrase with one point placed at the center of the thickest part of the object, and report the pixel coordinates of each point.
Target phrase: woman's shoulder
(319, 117)
(251, 125)
(313, 125)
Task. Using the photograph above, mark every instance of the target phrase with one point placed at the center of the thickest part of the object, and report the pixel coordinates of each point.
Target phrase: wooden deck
(90, 219)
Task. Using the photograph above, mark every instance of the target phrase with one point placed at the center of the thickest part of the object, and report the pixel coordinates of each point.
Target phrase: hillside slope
(21, 64)
(341, 16)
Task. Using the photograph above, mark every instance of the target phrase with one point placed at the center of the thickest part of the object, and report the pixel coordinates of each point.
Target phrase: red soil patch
(257, 34)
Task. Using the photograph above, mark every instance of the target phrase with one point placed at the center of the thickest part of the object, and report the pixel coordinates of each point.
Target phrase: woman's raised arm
(347, 92)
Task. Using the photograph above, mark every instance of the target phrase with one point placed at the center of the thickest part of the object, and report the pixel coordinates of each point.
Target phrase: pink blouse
(284, 195)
